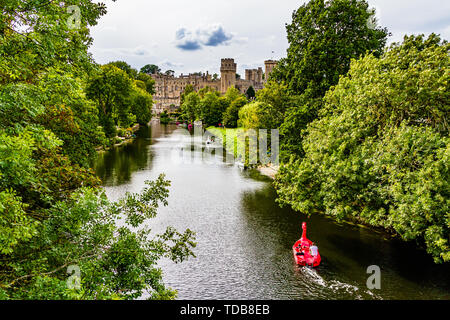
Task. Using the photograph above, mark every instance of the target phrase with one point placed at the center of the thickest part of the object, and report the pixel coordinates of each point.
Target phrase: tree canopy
(379, 151)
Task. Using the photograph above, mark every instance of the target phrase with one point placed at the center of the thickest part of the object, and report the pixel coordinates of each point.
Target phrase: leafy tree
(250, 93)
(231, 114)
(323, 37)
(249, 115)
(115, 262)
(148, 81)
(211, 109)
(141, 105)
(150, 69)
(190, 107)
(378, 153)
(122, 65)
(187, 90)
(52, 213)
(110, 89)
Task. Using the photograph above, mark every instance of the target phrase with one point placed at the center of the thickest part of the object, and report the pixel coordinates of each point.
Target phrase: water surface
(245, 239)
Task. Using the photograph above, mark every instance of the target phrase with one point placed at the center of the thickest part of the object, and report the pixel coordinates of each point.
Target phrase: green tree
(122, 65)
(110, 89)
(190, 107)
(141, 105)
(187, 90)
(250, 93)
(211, 109)
(150, 69)
(323, 37)
(378, 152)
(47, 222)
(148, 81)
(231, 114)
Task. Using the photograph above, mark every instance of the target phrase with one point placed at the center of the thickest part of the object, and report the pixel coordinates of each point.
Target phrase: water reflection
(245, 239)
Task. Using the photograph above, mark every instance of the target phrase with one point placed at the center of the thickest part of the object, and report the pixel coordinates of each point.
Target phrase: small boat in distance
(305, 252)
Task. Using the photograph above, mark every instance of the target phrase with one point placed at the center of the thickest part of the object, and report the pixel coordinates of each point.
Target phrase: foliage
(141, 105)
(110, 88)
(250, 93)
(115, 261)
(211, 109)
(231, 114)
(187, 90)
(164, 117)
(52, 213)
(148, 82)
(122, 65)
(379, 153)
(150, 69)
(189, 108)
(323, 37)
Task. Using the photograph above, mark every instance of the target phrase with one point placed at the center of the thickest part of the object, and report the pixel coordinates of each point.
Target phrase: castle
(169, 88)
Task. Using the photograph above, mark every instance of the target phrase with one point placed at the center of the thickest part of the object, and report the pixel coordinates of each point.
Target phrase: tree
(148, 81)
(378, 152)
(249, 115)
(52, 213)
(211, 109)
(110, 89)
(190, 107)
(141, 105)
(231, 114)
(323, 37)
(170, 73)
(122, 65)
(215, 76)
(150, 69)
(187, 90)
(250, 93)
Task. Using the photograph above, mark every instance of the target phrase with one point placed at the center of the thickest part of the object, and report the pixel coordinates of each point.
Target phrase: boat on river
(302, 252)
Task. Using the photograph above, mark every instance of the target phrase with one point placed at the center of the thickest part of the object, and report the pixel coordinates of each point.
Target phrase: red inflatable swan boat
(302, 253)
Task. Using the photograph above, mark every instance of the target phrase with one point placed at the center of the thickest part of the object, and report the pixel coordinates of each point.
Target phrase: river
(245, 240)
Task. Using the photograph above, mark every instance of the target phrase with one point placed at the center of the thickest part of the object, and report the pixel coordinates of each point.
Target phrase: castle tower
(270, 64)
(227, 74)
(259, 75)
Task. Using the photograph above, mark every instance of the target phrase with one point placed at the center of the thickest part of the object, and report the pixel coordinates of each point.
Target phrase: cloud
(171, 65)
(189, 45)
(210, 36)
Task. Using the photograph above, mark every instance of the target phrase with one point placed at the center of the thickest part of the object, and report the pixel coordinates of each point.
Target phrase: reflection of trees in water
(347, 250)
(117, 165)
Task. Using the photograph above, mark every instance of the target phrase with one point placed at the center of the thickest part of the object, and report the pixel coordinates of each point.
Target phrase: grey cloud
(211, 36)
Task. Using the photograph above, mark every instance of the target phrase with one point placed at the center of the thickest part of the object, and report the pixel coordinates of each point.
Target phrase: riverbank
(268, 170)
(128, 137)
(236, 217)
(237, 149)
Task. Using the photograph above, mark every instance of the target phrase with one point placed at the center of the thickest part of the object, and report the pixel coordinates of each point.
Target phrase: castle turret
(270, 64)
(227, 74)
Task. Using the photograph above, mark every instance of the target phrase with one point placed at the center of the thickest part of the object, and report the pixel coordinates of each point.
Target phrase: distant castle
(169, 88)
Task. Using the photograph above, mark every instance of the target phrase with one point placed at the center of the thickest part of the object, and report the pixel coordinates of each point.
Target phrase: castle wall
(168, 89)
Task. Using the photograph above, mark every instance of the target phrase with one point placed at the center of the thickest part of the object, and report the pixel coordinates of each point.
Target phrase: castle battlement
(168, 88)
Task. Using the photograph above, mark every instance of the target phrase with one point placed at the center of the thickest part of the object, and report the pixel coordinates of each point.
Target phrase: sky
(192, 36)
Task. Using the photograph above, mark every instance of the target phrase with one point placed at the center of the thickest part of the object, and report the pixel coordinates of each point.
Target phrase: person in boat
(313, 250)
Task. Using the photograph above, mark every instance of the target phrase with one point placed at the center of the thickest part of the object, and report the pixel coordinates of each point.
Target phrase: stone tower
(270, 64)
(227, 74)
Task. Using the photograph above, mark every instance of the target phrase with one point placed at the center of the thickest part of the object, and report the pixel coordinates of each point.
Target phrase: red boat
(302, 254)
